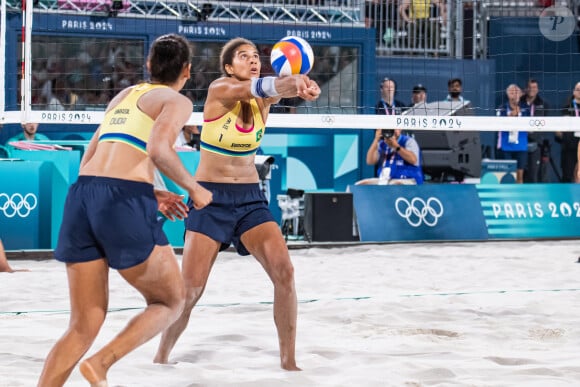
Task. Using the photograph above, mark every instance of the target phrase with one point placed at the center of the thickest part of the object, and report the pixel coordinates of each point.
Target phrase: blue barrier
(175, 229)
(522, 211)
(25, 204)
(418, 212)
(33, 191)
(467, 212)
(62, 172)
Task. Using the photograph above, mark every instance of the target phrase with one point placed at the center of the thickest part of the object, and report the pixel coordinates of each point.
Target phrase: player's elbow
(155, 151)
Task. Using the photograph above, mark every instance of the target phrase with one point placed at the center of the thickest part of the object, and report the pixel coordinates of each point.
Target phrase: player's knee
(192, 294)
(177, 308)
(85, 331)
(284, 273)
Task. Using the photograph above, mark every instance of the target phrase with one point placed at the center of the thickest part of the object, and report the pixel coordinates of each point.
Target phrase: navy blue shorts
(111, 218)
(235, 209)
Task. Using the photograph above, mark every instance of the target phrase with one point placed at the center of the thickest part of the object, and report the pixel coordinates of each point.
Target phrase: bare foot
(160, 359)
(95, 378)
(8, 269)
(291, 367)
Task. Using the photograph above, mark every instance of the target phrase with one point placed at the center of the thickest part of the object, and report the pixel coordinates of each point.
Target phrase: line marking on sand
(306, 301)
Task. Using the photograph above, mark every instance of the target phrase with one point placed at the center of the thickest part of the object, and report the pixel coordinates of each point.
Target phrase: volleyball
(292, 55)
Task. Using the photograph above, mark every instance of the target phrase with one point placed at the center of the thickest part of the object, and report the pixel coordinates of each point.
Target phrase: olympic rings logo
(419, 211)
(329, 120)
(17, 204)
(537, 123)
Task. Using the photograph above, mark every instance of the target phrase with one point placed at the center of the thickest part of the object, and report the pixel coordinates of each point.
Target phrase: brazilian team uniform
(110, 217)
(235, 208)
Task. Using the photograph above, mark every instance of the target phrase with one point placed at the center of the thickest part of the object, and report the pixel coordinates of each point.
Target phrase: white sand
(439, 314)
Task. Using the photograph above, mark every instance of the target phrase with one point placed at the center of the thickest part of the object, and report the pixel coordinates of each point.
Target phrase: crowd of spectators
(78, 74)
(75, 74)
(531, 151)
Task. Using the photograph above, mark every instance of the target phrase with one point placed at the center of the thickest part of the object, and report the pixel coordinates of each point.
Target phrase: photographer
(388, 104)
(397, 156)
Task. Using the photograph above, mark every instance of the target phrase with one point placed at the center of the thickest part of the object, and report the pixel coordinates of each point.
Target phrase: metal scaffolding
(337, 12)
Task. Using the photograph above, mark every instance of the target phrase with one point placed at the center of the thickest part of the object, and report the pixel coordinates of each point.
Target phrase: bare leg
(199, 254)
(266, 243)
(158, 279)
(520, 176)
(4, 265)
(89, 297)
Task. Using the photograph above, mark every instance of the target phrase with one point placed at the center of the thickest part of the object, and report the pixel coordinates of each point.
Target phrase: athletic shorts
(109, 218)
(235, 209)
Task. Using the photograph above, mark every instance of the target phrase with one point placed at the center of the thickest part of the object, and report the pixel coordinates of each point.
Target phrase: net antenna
(3, 58)
(26, 60)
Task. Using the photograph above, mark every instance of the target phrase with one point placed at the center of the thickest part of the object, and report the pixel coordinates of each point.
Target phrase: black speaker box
(450, 152)
(328, 217)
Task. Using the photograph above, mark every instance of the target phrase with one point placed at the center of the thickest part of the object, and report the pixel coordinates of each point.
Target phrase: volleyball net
(65, 59)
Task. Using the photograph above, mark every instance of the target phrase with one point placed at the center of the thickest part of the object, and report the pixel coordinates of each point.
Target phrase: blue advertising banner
(522, 211)
(64, 172)
(419, 212)
(25, 204)
(175, 229)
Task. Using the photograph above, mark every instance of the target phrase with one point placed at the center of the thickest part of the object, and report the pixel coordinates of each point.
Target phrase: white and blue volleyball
(292, 55)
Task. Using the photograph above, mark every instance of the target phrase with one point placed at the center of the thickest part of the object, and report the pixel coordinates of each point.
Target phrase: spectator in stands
(4, 265)
(387, 104)
(454, 89)
(61, 96)
(397, 156)
(419, 95)
(382, 15)
(423, 33)
(513, 145)
(570, 153)
(537, 107)
(29, 133)
(459, 105)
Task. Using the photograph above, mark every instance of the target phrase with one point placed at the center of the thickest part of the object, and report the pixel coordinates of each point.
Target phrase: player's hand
(306, 88)
(200, 196)
(392, 142)
(171, 205)
(311, 91)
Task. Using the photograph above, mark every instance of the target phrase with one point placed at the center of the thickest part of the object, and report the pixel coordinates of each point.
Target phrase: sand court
(436, 314)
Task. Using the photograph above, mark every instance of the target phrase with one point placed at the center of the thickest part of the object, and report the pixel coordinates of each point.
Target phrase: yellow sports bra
(222, 135)
(420, 9)
(126, 123)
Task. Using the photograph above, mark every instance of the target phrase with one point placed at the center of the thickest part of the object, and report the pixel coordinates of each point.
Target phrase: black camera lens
(388, 133)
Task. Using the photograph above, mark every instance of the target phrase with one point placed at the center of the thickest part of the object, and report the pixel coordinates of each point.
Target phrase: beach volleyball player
(235, 113)
(110, 218)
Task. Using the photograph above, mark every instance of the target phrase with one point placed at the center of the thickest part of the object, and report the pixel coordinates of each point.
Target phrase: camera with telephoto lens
(387, 133)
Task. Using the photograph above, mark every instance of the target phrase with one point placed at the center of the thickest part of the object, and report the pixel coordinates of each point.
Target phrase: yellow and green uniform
(222, 135)
(126, 123)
